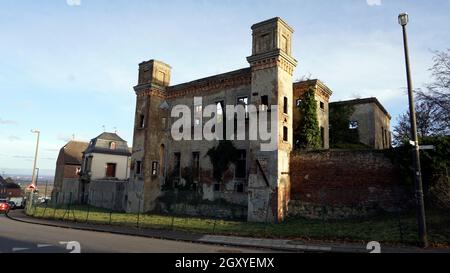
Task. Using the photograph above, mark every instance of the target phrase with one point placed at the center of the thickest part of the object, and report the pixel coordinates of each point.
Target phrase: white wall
(99, 161)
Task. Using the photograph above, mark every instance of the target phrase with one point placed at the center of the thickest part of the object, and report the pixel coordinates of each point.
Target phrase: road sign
(427, 147)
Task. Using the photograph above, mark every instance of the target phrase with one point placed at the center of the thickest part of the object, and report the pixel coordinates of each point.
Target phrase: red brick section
(344, 178)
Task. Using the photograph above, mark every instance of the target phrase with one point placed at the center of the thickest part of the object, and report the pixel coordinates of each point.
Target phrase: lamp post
(33, 179)
(37, 178)
(403, 19)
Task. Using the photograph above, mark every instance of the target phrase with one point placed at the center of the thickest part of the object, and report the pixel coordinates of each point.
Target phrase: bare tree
(425, 124)
(437, 93)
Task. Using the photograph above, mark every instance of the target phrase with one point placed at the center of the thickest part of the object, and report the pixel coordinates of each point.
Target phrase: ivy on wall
(307, 133)
(221, 156)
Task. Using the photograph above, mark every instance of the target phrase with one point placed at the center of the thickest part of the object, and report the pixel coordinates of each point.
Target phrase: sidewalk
(178, 235)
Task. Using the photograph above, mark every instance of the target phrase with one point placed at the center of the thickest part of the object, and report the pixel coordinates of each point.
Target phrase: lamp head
(403, 19)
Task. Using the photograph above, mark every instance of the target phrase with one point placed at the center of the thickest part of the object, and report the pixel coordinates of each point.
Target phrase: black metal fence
(317, 220)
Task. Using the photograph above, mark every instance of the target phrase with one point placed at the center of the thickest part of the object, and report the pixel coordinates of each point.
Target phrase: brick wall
(343, 183)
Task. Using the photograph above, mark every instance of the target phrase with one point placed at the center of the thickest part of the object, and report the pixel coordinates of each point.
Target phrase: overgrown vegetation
(341, 136)
(432, 104)
(221, 156)
(307, 133)
(435, 169)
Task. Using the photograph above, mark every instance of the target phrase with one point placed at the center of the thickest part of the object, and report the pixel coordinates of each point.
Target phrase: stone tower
(271, 84)
(149, 135)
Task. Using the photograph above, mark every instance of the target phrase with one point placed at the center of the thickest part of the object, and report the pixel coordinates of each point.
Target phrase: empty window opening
(138, 167)
(154, 168)
(285, 133)
(322, 105)
(241, 165)
(141, 121)
(285, 105)
(353, 124)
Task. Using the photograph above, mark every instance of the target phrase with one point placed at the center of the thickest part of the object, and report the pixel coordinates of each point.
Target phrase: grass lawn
(387, 228)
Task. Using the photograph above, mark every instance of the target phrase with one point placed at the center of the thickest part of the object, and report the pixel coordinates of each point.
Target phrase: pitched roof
(72, 152)
(363, 101)
(109, 136)
(7, 184)
(102, 144)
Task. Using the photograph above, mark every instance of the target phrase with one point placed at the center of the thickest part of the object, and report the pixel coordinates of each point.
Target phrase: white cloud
(5, 121)
(73, 2)
(373, 2)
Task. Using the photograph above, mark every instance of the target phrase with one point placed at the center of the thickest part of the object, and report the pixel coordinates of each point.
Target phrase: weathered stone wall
(69, 192)
(107, 194)
(192, 204)
(336, 184)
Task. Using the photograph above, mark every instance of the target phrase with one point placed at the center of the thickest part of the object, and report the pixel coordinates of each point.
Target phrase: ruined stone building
(371, 120)
(181, 176)
(322, 95)
(257, 185)
(258, 182)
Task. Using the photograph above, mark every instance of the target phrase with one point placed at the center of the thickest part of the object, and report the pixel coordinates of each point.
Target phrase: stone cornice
(210, 86)
(199, 87)
(271, 59)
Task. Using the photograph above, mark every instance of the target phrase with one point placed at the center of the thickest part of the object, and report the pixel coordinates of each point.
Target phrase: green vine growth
(307, 132)
(221, 156)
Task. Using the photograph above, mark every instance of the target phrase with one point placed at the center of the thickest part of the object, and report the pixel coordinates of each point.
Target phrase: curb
(160, 237)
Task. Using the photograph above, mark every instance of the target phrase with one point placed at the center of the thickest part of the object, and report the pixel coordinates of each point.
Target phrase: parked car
(18, 202)
(4, 206)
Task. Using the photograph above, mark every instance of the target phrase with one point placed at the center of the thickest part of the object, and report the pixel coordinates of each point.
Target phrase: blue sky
(68, 66)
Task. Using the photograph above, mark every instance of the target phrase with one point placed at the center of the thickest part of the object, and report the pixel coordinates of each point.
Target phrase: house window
(138, 167)
(177, 165)
(298, 103)
(111, 170)
(141, 121)
(353, 124)
(154, 168)
(241, 165)
(322, 105)
(87, 163)
(285, 133)
(112, 145)
(285, 105)
(239, 187)
(244, 102)
(77, 171)
(264, 103)
(196, 165)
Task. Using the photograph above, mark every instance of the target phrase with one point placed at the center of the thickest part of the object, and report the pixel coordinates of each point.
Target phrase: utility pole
(423, 238)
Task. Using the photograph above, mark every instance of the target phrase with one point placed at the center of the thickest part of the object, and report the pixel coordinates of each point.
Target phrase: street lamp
(403, 20)
(33, 179)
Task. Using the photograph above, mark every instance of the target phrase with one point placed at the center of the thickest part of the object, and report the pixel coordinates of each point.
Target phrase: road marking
(19, 249)
(43, 245)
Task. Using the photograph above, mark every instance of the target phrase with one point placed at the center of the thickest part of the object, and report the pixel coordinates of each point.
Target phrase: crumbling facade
(259, 180)
(371, 120)
(168, 174)
(322, 96)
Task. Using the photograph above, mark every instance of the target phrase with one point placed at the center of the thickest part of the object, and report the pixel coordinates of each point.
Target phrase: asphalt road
(18, 237)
